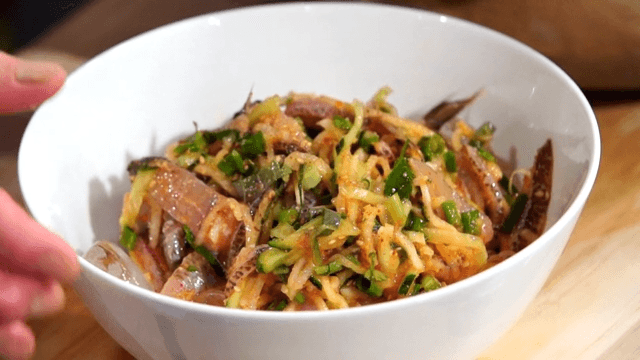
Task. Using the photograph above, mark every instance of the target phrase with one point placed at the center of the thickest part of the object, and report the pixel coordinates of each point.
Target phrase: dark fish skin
(534, 217)
(475, 171)
(243, 265)
(446, 110)
(312, 109)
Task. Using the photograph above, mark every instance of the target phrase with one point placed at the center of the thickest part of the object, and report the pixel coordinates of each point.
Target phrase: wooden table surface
(588, 309)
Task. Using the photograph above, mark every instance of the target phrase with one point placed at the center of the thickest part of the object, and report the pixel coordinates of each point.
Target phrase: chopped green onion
(299, 298)
(277, 306)
(330, 222)
(470, 223)
(429, 283)
(400, 180)
(231, 163)
(406, 284)
(213, 136)
(194, 143)
(270, 260)
(341, 122)
(252, 145)
(451, 212)
(368, 287)
(414, 222)
(128, 238)
(367, 139)
(330, 268)
(314, 280)
(519, 205)
(192, 268)
(310, 177)
(450, 161)
(288, 216)
(191, 240)
(375, 275)
(431, 146)
(486, 155)
(504, 182)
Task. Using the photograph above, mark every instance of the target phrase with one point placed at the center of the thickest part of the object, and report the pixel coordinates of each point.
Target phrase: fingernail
(47, 302)
(35, 72)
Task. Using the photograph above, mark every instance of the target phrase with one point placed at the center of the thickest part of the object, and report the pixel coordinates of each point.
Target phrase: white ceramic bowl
(136, 98)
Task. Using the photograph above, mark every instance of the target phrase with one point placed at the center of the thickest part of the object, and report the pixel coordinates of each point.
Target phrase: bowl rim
(571, 212)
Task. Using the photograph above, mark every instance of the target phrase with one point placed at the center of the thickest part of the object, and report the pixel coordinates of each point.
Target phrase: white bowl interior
(136, 98)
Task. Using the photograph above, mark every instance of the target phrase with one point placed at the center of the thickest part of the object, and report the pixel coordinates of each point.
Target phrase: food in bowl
(305, 202)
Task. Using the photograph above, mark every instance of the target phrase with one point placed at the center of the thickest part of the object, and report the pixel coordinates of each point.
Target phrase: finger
(26, 84)
(48, 301)
(17, 341)
(27, 246)
(16, 296)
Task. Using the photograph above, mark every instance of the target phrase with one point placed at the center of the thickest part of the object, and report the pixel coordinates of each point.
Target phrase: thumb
(26, 84)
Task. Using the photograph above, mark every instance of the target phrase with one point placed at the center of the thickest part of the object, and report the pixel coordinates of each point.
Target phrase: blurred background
(596, 42)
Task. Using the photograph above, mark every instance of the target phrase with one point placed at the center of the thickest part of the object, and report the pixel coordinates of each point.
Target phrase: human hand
(33, 261)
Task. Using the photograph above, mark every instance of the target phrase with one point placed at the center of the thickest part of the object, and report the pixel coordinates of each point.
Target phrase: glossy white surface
(136, 98)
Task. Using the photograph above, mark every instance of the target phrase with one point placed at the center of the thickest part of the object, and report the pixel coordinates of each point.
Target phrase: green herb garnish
(450, 161)
(451, 212)
(431, 146)
(406, 284)
(367, 139)
(128, 238)
(400, 180)
(341, 122)
(429, 283)
(252, 145)
(470, 222)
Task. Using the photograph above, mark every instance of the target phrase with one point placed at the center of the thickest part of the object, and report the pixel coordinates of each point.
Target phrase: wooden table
(588, 309)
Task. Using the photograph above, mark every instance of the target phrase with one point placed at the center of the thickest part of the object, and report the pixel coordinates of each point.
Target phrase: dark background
(22, 21)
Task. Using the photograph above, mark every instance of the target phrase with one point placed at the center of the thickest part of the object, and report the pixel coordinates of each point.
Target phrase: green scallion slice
(429, 283)
(299, 298)
(406, 284)
(431, 146)
(252, 145)
(367, 139)
(517, 209)
(342, 123)
(450, 161)
(128, 238)
(368, 287)
(470, 222)
(451, 212)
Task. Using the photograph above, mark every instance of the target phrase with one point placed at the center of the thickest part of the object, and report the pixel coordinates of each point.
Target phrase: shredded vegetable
(306, 202)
